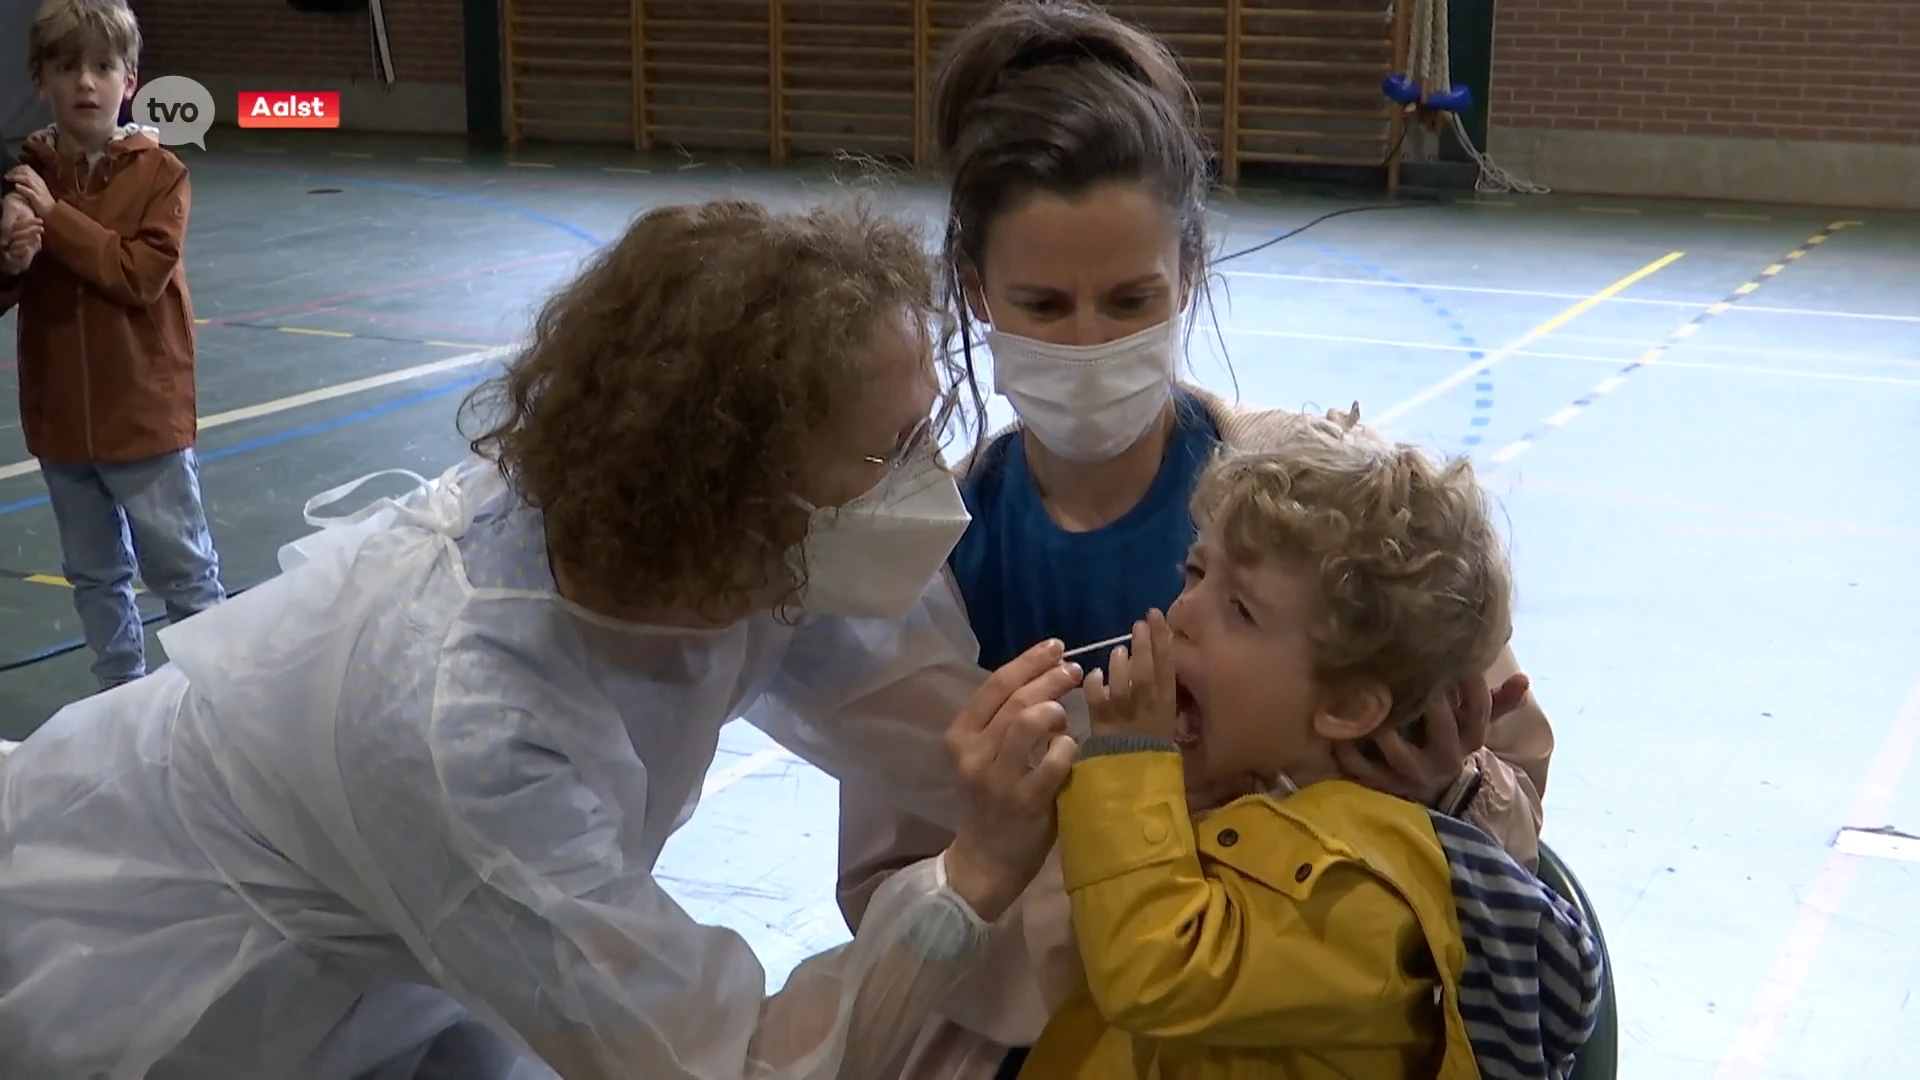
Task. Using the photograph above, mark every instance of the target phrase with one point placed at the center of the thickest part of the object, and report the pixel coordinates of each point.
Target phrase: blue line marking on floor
(1483, 385)
(292, 433)
(428, 191)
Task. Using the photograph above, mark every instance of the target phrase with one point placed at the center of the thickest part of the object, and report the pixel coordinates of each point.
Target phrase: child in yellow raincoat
(1243, 911)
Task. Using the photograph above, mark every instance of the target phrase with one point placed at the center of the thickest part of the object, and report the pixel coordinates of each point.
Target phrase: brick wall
(1826, 70)
(267, 38)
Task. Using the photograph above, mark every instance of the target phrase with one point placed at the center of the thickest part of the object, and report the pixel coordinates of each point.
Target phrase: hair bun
(1027, 35)
(1070, 44)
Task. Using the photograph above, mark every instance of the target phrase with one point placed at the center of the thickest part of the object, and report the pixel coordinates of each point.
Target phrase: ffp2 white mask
(875, 555)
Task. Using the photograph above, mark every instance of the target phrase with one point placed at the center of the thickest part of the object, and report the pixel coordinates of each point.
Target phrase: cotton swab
(1121, 640)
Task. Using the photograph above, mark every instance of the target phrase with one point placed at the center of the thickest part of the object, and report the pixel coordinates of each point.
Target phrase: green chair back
(1600, 1058)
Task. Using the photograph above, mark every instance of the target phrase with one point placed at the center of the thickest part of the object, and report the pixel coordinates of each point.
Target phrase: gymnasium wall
(1811, 101)
(235, 45)
(21, 110)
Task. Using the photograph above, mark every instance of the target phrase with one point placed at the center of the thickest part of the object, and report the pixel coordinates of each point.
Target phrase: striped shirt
(1531, 989)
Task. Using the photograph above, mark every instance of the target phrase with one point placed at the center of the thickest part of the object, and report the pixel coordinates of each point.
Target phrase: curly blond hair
(1414, 587)
(671, 393)
(67, 30)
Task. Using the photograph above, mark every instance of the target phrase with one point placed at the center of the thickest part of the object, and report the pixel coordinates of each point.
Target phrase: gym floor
(1708, 543)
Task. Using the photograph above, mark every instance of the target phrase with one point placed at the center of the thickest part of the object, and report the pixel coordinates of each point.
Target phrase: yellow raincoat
(1307, 938)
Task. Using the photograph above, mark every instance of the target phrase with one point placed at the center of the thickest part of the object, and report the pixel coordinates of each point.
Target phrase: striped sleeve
(1531, 989)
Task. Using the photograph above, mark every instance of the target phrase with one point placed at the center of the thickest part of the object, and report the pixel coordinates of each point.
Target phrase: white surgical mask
(1087, 402)
(874, 556)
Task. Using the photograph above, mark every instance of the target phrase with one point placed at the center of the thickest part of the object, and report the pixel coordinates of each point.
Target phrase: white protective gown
(372, 779)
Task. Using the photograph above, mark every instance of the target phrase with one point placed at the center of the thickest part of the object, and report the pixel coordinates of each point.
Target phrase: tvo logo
(181, 108)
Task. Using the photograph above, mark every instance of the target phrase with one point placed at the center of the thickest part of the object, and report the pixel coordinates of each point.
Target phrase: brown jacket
(1032, 960)
(105, 325)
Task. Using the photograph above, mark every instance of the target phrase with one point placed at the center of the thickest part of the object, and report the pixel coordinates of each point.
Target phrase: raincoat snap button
(1302, 874)
(1155, 831)
(1228, 837)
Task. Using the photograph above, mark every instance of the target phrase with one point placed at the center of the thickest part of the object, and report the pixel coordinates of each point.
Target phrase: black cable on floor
(1413, 202)
(77, 644)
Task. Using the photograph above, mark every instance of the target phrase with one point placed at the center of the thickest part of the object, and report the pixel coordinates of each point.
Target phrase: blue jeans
(114, 517)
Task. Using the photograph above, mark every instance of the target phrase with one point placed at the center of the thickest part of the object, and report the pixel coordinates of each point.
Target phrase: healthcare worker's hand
(1453, 728)
(1013, 752)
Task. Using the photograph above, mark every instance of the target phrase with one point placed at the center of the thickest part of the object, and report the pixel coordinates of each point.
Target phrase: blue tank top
(1025, 579)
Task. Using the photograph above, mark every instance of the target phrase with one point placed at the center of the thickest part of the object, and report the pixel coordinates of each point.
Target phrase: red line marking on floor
(391, 289)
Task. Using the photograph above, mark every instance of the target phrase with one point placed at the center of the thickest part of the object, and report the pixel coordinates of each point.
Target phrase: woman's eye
(1240, 609)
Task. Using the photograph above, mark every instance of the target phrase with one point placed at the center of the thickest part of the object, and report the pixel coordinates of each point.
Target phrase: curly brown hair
(671, 394)
(1415, 591)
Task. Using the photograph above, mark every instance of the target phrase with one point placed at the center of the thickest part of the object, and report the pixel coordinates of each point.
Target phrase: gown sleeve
(562, 938)
(868, 701)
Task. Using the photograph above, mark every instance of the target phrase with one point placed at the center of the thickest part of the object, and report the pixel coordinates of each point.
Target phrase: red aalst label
(289, 109)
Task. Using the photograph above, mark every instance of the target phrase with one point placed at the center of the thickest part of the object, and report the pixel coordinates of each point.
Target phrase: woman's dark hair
(1059, 97)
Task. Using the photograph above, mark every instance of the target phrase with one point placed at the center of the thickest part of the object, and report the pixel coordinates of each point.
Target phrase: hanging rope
(382, 52)
(1431, 72)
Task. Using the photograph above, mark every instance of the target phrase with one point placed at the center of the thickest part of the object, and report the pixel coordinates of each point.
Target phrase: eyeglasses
(915, 441)
(918, 439)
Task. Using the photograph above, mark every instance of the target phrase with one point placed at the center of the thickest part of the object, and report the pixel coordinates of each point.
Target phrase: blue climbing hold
(1400, 89)
(1457, 99)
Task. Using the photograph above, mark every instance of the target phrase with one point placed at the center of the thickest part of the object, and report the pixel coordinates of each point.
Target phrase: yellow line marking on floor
(1657, 354)
(1596, 358)
(1719, 216)
(1820, 356)
(443, 160)
(529, 165)
(1513, 347)
(308, 330)
(1607, 210)
(314, 397)
(625, 169)
(314, 331)
(54, 580)
(347, 154)
(1486, 290)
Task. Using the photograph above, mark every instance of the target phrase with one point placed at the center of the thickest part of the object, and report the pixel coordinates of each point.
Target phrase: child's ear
(1351, 713)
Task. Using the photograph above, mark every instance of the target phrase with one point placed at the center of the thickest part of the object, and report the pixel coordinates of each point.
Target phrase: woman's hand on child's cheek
(1455, 726)
(1135, 695)
(1509, 696)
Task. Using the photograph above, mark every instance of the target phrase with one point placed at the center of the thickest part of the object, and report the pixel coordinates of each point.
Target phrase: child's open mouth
(1186, 724)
